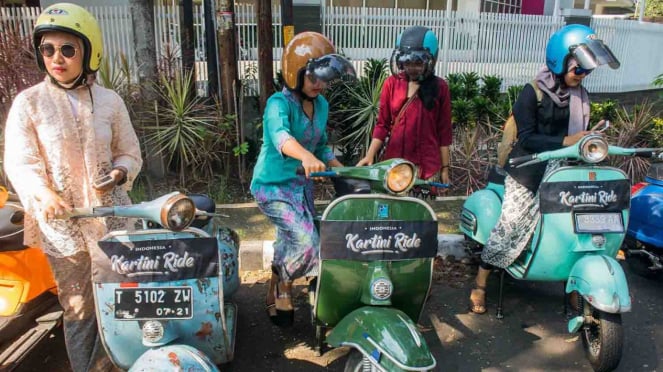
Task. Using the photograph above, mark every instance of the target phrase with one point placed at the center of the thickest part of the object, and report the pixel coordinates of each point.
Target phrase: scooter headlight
(178, 212)
(153, 331)
(400, 177)
(593, 149)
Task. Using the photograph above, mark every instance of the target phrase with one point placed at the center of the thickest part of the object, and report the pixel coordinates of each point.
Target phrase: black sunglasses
(66, 50)
(580, 71)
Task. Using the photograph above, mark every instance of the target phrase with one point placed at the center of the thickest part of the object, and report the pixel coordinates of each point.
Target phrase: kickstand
(499, 314)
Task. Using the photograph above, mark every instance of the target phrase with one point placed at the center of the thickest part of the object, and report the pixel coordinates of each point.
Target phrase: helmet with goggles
(312, 55)
(415, 46)
(580, 42)
(75, 20)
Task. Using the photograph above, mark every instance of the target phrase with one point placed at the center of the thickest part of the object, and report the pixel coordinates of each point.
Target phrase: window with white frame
(501, 6)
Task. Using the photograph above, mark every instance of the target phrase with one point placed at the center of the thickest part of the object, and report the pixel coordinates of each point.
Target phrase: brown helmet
(304, 53)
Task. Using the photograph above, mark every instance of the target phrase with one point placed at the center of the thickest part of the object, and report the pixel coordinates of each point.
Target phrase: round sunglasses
(580, 71)
(66, 50)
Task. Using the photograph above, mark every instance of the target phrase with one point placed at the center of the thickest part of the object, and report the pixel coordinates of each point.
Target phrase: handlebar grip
(438, 184)
(323, 174)
(646, 154)
(521, 159)
(300, 172)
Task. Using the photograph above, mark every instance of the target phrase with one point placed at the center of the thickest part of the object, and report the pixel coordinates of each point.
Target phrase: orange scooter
(29, 308)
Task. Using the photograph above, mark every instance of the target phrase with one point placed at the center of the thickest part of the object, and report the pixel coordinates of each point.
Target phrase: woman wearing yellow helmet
(294, 135)
(62, 136)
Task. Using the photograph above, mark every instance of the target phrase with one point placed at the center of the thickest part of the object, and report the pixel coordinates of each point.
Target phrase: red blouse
(420, 133)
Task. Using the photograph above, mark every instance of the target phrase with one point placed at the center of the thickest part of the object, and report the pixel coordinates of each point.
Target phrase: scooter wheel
(603, 340)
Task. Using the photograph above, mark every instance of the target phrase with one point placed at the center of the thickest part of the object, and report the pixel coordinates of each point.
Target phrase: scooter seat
(345, 186)
(11, 227)
(497, 175)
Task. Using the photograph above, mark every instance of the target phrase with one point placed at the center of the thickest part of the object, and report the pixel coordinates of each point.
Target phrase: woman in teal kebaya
(294, 136)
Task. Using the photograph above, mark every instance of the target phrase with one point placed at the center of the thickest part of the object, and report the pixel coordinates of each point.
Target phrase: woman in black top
(559, 120)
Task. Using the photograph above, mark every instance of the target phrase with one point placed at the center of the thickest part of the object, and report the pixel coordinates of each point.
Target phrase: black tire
(603, 340)
(355, 361)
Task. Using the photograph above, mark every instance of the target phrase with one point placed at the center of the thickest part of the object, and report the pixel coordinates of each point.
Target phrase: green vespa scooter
(376, 264)
(584, 209)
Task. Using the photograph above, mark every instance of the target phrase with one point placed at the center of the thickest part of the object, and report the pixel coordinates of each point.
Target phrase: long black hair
(429, 90)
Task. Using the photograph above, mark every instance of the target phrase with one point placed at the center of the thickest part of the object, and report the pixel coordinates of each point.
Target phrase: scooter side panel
(387, 336)
(647, 216)
(342, 282)
(601, 282)
(480, 213)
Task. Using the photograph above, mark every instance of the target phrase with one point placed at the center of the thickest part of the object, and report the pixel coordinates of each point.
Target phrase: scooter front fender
(387, 336)
(601, 282)
(173, 357)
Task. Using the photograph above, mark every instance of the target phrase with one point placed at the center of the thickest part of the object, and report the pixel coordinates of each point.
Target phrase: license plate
(599, 223)
(153, 303)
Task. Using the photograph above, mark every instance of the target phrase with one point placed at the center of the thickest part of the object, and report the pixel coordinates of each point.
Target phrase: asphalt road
(531, 337)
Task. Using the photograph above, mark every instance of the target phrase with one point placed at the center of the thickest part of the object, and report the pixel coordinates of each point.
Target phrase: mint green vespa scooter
(584, 211)
(376, 265)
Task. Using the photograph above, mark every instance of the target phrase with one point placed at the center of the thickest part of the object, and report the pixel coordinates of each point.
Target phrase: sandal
(285, 312)
(270, 305)
(478, 301)
(279, 301)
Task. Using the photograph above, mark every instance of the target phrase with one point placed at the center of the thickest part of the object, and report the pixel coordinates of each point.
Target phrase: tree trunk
(146, 61)
(265, 54)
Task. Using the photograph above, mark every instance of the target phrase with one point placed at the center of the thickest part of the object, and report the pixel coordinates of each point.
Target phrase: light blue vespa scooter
(162, 294)
(584, 211)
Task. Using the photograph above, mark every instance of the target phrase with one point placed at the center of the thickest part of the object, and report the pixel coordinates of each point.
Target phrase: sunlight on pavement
(446, 333)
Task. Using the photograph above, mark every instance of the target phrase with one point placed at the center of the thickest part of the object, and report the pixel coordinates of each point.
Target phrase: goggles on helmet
(328, 68)
(592, 54)
(414, 57)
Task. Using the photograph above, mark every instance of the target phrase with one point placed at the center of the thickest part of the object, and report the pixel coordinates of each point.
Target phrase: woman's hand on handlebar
(574, 138)
(367, 160)
(53, 205)
(312, 164)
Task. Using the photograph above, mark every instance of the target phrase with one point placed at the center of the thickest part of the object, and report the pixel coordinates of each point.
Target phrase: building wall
(533, 7)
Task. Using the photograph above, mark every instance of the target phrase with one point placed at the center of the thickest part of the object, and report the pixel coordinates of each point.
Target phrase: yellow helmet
(74, 20)
(312, 53)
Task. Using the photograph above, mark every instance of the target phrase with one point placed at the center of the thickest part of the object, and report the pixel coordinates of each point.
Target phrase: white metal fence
(510, 46)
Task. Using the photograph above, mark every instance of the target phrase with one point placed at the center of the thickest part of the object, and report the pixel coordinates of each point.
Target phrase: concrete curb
(258, 254)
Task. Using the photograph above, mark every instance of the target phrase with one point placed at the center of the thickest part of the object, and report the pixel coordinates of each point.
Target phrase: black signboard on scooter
(378, 240)
(154, 260)
(588, 196)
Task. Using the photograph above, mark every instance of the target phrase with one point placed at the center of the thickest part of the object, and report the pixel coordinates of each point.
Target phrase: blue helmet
(415, 44)
(580, 42)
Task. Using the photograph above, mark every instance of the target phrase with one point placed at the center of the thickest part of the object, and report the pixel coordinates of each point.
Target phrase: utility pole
(265, 54)
(225, 31)
(210, 48)
(287, 21)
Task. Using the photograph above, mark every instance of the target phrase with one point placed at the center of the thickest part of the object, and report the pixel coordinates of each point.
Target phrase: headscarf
(576, 98)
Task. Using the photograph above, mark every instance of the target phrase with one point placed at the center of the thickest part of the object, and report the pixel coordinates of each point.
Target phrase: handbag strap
(402, 110)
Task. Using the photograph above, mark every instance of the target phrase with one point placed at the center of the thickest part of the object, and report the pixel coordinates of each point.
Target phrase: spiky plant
(470, 159)
(181, 123)
(491, 87)
(631, 129)
(470, 81)
(461, 112)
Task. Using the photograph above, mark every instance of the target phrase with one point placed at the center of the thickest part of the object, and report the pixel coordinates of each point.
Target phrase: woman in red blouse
(415, 108)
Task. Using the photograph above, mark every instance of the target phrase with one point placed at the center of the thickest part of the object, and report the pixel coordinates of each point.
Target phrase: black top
(540, 128)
